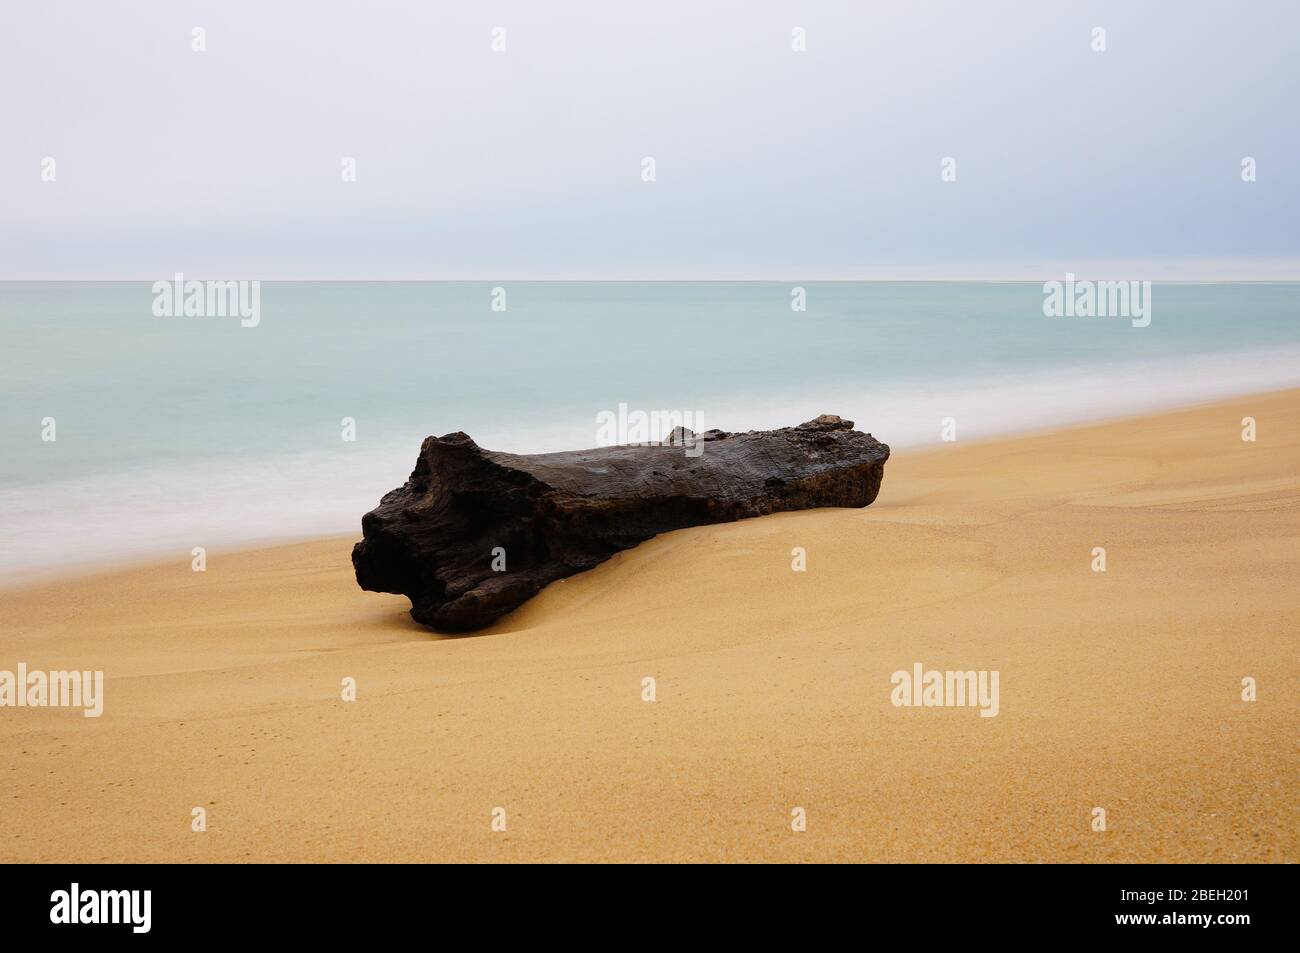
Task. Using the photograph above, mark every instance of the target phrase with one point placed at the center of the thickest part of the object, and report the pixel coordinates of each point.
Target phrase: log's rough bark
(436, 538)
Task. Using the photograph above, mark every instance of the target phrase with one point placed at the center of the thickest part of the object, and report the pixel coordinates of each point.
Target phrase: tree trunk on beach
(474, 534)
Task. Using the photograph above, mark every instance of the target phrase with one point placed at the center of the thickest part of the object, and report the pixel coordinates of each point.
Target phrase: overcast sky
(770, 163)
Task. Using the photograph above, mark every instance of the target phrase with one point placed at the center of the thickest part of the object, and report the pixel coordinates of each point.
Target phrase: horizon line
(1084, 276)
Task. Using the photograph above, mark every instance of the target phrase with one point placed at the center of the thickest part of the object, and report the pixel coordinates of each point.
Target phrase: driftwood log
(473, 533)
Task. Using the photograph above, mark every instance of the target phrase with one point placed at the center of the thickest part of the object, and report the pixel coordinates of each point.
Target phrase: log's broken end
(473, 533)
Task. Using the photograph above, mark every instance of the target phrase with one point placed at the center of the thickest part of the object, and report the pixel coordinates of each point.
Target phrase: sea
(130, 435)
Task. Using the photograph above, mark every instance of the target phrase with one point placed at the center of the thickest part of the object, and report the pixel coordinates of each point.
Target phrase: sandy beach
(1119, 689)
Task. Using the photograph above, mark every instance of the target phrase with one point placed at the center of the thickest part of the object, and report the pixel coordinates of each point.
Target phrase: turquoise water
(179, 428)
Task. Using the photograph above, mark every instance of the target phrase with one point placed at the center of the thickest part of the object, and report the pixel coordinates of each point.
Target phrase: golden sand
(1120, 690)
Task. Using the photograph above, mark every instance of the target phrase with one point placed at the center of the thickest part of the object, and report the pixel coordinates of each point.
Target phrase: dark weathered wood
(556, 514)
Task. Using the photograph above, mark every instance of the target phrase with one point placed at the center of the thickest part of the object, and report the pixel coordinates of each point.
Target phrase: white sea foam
(911, 414)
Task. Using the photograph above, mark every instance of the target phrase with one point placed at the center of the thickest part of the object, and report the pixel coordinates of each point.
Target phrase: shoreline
(1119, 690)
(397, 461)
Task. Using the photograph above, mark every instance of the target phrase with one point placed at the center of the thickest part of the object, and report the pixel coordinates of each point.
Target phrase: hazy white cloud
(526, 163)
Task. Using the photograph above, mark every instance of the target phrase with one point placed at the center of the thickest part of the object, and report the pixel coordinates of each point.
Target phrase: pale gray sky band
(770, 163)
